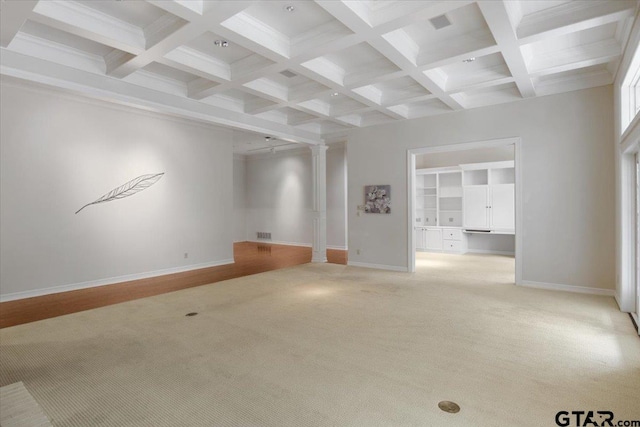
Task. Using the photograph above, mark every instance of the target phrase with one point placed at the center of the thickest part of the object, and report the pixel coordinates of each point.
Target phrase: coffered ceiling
(308, 71)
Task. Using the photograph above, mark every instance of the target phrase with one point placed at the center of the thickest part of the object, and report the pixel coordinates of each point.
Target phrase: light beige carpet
(329, 345)
(19, 409)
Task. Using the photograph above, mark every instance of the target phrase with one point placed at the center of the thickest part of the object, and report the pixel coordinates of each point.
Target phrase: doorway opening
(465, 199)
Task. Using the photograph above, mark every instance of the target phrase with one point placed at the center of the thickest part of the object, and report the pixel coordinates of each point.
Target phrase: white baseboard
(568, 288)
(489, 251)
(377, 266)
(338, 248)
(109, 281)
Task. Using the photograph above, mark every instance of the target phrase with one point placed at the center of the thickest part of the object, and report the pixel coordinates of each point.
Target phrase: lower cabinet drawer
(452, 245)
(452, 234)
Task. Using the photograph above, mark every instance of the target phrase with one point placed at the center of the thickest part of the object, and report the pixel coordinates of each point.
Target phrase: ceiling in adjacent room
(309, 71)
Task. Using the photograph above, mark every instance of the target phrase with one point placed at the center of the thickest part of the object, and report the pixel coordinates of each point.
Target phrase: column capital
(317, 149)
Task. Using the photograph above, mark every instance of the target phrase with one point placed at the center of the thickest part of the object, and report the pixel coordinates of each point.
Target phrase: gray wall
(567, 178)
(59, 152)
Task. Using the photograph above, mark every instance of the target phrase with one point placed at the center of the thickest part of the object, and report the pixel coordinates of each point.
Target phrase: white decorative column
(319, 213)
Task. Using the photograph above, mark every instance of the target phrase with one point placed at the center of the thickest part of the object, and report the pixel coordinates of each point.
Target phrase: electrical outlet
(186, 255)
(357, 251)
(450, 219)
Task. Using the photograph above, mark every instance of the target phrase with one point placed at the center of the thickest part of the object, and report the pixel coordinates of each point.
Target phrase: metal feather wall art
(130, 188)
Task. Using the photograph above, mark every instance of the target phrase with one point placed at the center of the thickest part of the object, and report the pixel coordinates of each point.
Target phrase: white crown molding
(571, 17)
(259, 32)
(115, 90)
(270, 88)
(200, 61)
(157, 82)
(405, 45)
(326, 69)
(161, 28)
(351, 119)
(73, 96)
(51, 51)
(78, 15)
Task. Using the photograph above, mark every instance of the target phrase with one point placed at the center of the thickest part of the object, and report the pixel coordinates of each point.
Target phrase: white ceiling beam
(13, 15)
(280, 64)
(314, 75)
(119, 91)
(497, 17)
(188, 32)
(352, 20)
(571, 17)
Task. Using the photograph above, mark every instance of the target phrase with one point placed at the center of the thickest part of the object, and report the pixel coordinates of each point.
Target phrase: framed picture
(377, 199)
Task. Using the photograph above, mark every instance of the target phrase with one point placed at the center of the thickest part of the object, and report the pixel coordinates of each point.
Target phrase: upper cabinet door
(503, 207)
(476, 207)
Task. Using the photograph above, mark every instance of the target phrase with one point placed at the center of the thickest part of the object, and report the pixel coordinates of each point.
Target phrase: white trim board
(278, 242)
(377, 266)
(109, 281)
(305, 245)
(568, 288)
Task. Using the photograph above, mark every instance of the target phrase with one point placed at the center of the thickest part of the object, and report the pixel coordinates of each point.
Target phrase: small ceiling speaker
(440, 22)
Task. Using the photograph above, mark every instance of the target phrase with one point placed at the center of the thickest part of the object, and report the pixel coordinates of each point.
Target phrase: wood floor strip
(250, 258)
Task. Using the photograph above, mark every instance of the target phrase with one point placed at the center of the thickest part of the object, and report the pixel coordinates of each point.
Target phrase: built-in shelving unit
(426, 199)
(450, 199)
(439, 210)
(454, 202)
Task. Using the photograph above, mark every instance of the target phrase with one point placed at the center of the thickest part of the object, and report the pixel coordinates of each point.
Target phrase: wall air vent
(288, 73)
(440, 22)
(263, 235)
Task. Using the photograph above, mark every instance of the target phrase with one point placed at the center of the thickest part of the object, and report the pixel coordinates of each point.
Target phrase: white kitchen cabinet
(489, 197)
(502, 207)
(440, 239)
(476, 207)
(433, 239)
(453, 240)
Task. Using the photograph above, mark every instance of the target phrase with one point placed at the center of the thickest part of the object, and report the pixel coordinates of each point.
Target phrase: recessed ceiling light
(469, 59)
(221, 43)
(289, 8)
(335, 94)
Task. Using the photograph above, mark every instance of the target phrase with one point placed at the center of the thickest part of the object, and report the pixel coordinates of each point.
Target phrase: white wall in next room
(279, 196)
